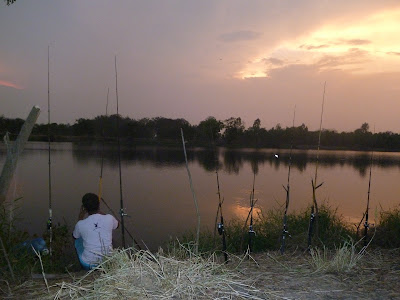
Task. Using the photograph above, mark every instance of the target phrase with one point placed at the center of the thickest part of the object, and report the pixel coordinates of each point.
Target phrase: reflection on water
(157, 194)
(232, 161)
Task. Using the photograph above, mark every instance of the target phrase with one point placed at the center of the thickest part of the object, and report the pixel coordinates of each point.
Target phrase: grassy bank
(17, 259)
(333, 234)
(333, 231)
(131, 274)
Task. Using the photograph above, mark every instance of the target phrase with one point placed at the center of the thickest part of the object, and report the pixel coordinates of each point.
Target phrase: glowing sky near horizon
(195, 59)
(367, 46)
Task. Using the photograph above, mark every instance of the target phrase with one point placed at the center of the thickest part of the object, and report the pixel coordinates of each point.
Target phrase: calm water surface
(157, 194)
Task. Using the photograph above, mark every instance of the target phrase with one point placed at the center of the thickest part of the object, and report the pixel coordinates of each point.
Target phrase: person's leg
(79, 250)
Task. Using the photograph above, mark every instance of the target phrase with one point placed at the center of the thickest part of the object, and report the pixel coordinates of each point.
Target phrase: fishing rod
(101, 178)
(122, 213)
(314, 217)
(251, 232)
(287, 189)
(220, 225)
(49, 220)
(366, 224)
(102, 151)
(119, 221)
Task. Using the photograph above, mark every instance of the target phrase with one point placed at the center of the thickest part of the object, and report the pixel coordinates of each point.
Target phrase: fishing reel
(122, 213)
(312, 215)
(251, 231)
(220, 228)
(49, 223)
(284, 233)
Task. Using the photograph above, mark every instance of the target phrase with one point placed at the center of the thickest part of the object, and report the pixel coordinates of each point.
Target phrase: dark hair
(91, 203)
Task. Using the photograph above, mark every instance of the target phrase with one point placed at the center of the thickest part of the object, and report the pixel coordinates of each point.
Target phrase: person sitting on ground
(93, 234)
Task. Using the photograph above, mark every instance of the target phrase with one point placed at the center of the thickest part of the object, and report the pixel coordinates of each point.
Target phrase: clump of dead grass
(342, 259)
(131, 274)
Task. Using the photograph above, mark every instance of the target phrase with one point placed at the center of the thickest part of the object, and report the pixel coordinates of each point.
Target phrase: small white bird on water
(276, 155)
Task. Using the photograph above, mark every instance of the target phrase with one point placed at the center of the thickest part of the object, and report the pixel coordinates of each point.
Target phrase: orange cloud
(332, 46)
(10, 84)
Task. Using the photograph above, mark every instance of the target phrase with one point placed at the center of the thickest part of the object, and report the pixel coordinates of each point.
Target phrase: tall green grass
(333, 232)
(13, 264)
(17, 263)
(387, 233)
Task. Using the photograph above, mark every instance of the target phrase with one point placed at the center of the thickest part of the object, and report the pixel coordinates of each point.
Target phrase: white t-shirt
(96, 232)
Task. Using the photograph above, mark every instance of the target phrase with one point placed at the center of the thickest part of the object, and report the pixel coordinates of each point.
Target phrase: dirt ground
(275, 276)
(291, 276)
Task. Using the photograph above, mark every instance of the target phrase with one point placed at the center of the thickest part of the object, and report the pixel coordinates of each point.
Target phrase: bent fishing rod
(314, 216)
(287, 189)
(122, 213)
(220, 225)
(49, 220)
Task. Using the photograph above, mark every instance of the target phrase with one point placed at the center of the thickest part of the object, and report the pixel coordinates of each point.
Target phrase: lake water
(156, 190)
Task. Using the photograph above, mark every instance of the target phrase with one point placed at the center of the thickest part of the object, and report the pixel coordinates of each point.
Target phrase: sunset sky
(193, 59)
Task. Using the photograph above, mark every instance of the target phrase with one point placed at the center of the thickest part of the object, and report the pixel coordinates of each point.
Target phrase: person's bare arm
(82, 213)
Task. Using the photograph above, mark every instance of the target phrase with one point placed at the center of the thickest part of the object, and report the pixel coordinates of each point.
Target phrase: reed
(193, 194)
(313, 228)
(287, 190)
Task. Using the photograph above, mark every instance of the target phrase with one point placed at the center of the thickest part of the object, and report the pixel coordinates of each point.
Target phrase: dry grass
(130, 274)
(343, 259)
(268, 275)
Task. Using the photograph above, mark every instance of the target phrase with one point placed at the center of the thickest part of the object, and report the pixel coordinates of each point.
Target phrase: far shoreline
(177, 143)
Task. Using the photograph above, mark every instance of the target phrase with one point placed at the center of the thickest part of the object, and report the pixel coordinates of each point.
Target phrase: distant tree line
(230, 132)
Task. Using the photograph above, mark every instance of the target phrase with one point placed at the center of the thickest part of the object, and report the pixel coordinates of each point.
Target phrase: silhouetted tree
(209, 129)
(255, 134)
(362, 137)
(234, 129)
(84, 127)
(363, 129)
(164, 130)
(12, 126)
(171, 128)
